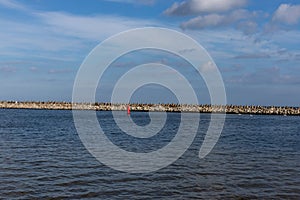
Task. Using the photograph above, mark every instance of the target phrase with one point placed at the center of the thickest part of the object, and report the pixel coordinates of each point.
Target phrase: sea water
(42, 156)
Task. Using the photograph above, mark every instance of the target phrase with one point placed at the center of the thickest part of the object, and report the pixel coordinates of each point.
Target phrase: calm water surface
(42, 157)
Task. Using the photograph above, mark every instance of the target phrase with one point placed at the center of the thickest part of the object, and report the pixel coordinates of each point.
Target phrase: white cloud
(23, 41)
(33, 69)
(288, 14)
(142, 2)
(90, 27)
(52, 32)
(268, 75)
(230, 45)
(216, 20)
(191, 7)
(208, 67)
(13, 5)
(247, 27)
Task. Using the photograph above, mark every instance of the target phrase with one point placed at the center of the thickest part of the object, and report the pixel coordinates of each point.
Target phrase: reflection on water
(41, 156)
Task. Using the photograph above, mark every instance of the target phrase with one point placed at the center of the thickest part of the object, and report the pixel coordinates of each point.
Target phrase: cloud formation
(287, 14)
(229, 13)
(140, 2)
(33, 69)
(8, 69)
(192, 7)
(217, 20)
(247, 27)
(59, 71)
(208, 67)
(253, 56)
(271, 75)
(50, 32)
(89, 27)
(13, 5)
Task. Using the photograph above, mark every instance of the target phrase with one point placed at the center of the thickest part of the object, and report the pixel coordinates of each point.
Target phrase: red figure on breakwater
(128, 109)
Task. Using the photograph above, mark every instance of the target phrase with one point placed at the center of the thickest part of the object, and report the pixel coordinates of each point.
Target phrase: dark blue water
(42, 157)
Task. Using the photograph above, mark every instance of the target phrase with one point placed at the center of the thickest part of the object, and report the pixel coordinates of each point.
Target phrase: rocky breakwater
(229, 109)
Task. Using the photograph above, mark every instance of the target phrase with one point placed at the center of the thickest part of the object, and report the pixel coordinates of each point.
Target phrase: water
(42, 157)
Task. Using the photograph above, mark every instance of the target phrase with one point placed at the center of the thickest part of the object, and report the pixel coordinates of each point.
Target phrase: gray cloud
(33, 69)
(270, 75)
(297, 56)
(247, 27)
(59, 71)
(233, 68)
(183, 51)
(192, 7)
(8, 69)
(287, 14)
(253, 56)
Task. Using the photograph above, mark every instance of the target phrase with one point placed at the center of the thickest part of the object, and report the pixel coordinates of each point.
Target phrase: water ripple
(41, 157)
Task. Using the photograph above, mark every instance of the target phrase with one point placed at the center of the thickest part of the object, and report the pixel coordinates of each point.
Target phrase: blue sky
(255, 44)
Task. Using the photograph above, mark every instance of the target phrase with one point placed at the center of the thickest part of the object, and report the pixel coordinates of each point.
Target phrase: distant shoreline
(228, 109)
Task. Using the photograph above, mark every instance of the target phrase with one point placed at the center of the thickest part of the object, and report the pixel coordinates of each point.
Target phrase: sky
(255, 45)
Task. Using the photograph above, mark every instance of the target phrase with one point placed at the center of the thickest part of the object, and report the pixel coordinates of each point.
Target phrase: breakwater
(229, 109)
